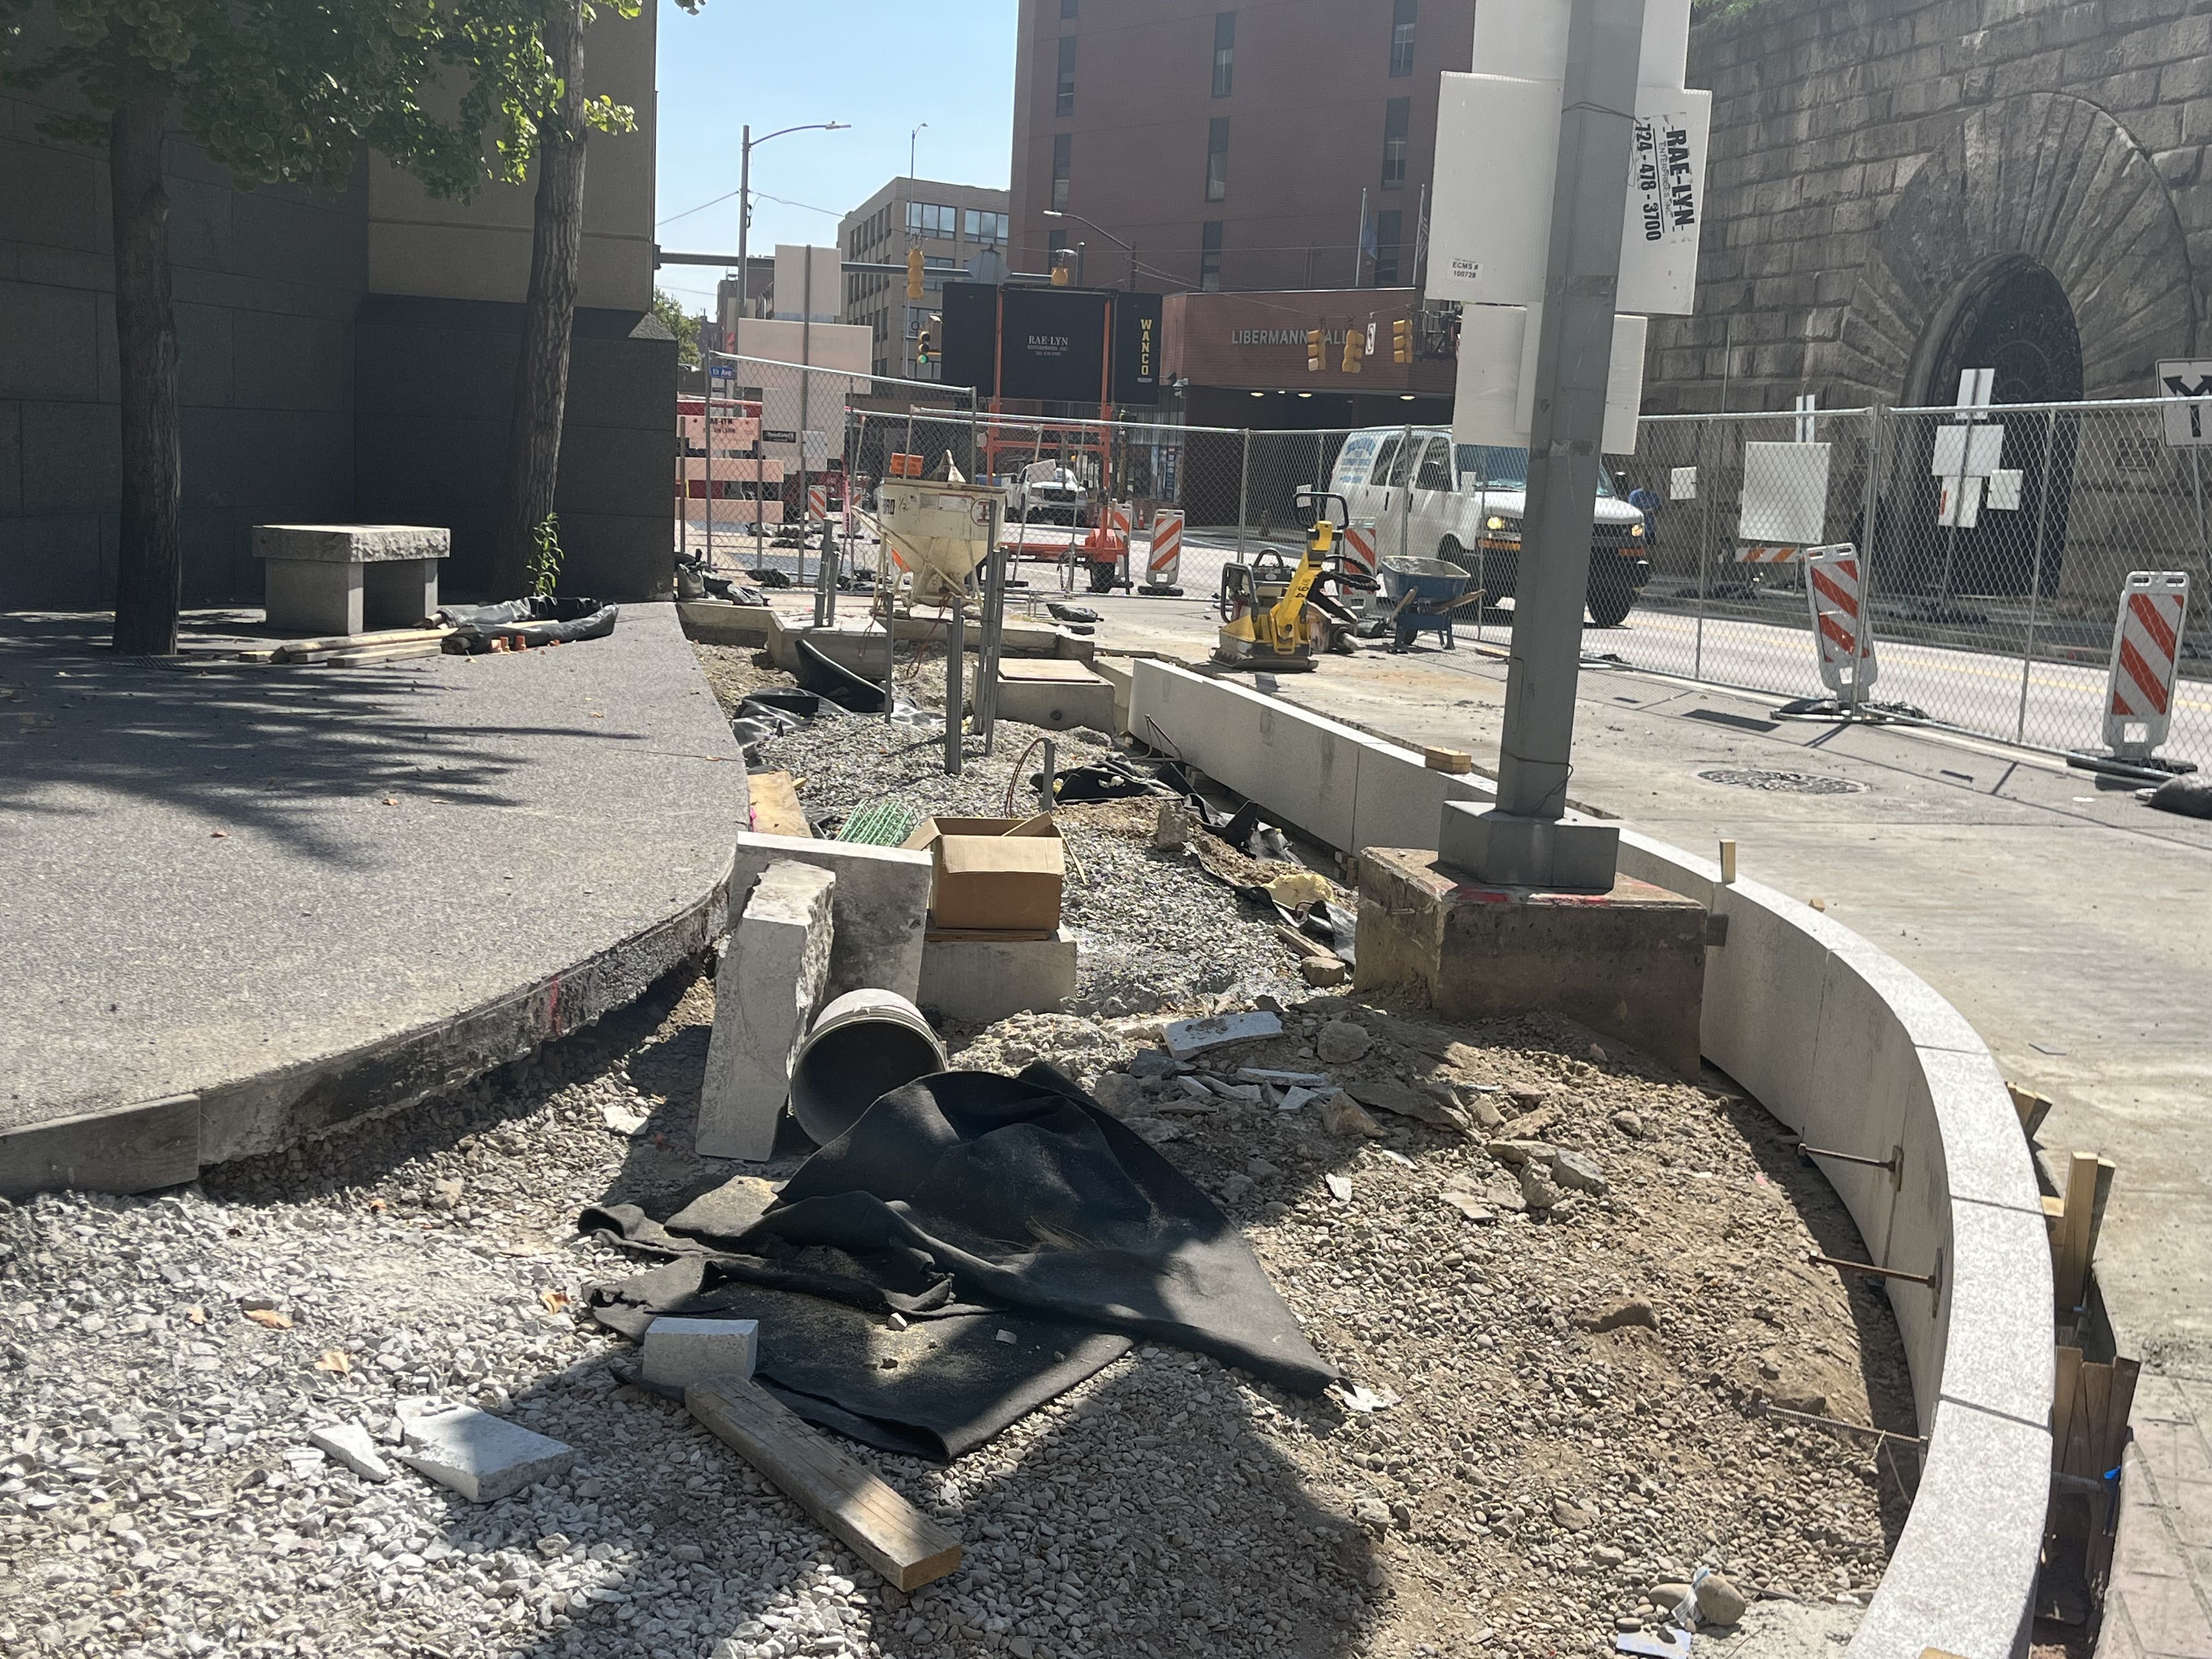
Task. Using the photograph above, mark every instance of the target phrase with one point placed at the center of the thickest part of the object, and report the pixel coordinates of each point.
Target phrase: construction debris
(483, 1457)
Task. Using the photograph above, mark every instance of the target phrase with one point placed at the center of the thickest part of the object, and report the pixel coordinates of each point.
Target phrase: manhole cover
(1781, 783)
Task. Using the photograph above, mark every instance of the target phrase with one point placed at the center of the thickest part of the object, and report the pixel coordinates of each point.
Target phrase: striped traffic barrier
(1360, 547)
(818, 500)
(1121, 516)
(1769, 555)
(1164, 563)
(2145, 641)
(1835, 588)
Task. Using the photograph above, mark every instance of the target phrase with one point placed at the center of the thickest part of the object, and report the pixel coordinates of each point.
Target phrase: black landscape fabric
(970, 1204)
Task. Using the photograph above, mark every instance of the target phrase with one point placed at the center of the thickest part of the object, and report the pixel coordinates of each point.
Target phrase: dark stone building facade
(1900, 189)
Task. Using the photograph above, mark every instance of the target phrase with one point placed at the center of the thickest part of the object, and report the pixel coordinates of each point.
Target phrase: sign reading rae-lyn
(1666, 185)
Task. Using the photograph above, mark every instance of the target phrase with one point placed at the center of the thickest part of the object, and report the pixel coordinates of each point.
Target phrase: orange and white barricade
(2146, 640)
(1835, 586)
(817, 501)
(1121, 516)
(1164, 563)
(1769, 555)
(1360, 547)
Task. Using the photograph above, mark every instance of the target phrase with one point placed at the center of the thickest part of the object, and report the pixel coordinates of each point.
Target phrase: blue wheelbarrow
(1424, 595)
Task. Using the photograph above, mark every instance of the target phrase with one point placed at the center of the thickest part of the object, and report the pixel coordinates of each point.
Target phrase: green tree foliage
(684, 327)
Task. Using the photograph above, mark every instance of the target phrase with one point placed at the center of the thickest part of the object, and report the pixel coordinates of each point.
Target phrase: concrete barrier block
(1762, 1013)
(1302, 769)
(880, 911)
(483, 1457)
(680, 1351)
(1926, 1017)
(1960, 1578)
(1399, 802)
(985, 981)
(1985, 1157)
(1057, 705)
(1918, 1235)
(1864, 1078)
(766, 990)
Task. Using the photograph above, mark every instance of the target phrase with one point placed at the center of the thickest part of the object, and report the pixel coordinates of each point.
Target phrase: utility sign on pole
(2188, 426)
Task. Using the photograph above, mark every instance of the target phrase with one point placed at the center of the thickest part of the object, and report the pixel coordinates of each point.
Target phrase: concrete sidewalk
(2072, 925)
(301, 893)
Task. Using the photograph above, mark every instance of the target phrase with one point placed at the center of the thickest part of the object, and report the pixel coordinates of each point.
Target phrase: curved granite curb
(1851, 1049)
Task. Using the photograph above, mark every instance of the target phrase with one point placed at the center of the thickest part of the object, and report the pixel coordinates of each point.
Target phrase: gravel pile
(1534, 1482)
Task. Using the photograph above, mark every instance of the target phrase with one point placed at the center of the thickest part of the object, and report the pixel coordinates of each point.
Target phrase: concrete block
(769, 982)
(350, 543)
(483, 1457)
(1629, 963)
(987, 980)
(1995, 1324)
(1964, 1569)
(318, 577)
(1117, 672)
(307, 596)
(1572, 854)
(1864, 1074)
(680, 1351)
(1986, 1159)
(1057, 704)
(1399, 802)
(350, 1443)
(1763, 992)
(880, 910)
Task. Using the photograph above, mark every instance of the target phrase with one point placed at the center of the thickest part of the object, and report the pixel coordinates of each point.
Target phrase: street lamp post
(745, 207)
(1130, 248)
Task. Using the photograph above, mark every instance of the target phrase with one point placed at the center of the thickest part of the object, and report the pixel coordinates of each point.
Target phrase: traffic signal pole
(1526, 841)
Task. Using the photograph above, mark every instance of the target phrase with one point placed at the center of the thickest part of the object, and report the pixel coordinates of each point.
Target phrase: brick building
(1230, 144)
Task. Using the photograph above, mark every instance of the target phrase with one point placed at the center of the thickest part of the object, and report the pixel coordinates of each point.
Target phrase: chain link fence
(1991, 590)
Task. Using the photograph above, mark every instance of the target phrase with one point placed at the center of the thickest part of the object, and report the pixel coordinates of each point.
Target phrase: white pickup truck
(1467, 503)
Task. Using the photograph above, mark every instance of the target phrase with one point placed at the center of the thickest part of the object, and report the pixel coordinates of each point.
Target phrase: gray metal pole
(710, 468)
(2035, 579)
(1406, 492)
(1244, 495)
(805, 386)
(683, 477)
(1704, 550)
(956, 647)
(1870, 527)
(737, 349)
(1523, 841)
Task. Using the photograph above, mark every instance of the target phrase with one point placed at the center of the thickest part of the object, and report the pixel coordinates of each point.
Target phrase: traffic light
(1401, 340)
(1353, 342)
(922, 348)
(914, 275)
(1317, 344)
(1063, 274)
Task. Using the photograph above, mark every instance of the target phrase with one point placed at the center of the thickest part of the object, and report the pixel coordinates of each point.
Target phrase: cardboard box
(994, 875)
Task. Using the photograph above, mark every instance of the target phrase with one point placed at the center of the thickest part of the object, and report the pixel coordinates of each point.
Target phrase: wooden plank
(2032, 1109)
(2119, 1405)
(2065, 1394)
(356, 641)
(904, 1546)
(2070, 1267)
(776, 810)
(1457, 761)
(2054, 1210)
(2106, 1169)
(2082, 1443)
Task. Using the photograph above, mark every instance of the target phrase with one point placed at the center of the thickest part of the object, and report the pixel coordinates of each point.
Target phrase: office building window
(1404, 13)
(1217, 158)
(1067, 11)
(1063, 163)
(1064, 104)
(1389, 235)
(928, 219)
(935, 268)
(988, 229)
(1225, 51)
(1397, 127)
(1209, 258)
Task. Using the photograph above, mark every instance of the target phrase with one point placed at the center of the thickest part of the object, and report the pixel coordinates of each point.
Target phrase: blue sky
(880, 65)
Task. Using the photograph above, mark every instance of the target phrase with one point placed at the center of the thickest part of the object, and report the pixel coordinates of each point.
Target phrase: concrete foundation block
(483, 1457)
(301, 597)
(985, 980)
(1058, 704)
(1572, 854)
(769, 982)
(1630, 963)
(680, 1351)
(879, 912)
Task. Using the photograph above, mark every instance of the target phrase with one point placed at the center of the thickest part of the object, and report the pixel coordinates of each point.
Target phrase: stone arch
(2043, 177)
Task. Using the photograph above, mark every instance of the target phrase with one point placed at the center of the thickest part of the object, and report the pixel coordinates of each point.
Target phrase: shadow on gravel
(255, 747)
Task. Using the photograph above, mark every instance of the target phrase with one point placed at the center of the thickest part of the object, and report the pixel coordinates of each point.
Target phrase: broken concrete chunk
(773, 971)
(1187, 1037)
(1536, 1189)
(1323, 971)
(483, 1457)
(1397, 1098)
(1577, 1172)
(680, 1351)
(1341, 1115)
(1619, 1315)
(1469, 1205)
(1303, 1079)
(1152, 1063)
(350, 1443)
(1522, 1151)
(1117, 1091)
(1340, 1188)
(1341, 1041)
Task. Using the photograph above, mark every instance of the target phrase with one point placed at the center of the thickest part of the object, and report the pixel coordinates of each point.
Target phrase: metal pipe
(1244, 495)
(1868, 1268)
(956, 651)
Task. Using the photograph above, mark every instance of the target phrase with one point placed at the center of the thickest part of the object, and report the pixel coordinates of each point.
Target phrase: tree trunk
(148, 570)
(541, 387)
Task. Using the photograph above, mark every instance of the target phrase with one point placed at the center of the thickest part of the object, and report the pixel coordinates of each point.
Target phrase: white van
(1465, 505)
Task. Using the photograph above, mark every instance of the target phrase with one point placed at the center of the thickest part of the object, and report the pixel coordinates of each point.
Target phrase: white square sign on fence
(2188, 426)
(1785, 494)
(1961, 505)
(1528, 38)
(1496, 399)
(1682, 484)
(1967, 451)
(1498, 151)
(2007, 484)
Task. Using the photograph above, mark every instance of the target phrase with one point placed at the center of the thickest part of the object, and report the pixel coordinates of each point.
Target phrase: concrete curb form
(1854, 1051)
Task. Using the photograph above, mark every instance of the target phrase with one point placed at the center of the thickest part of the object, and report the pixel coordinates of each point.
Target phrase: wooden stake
(905, 1547)
(1728, 862)
(2070, 1269)
(2032, 1109)
(2064, 1396)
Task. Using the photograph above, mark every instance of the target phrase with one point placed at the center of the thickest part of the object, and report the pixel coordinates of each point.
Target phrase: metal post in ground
(682, 487)
(710, 467)
(1406, 492)
(2035, 578)
(956, 644)
(1704, 550)
(1523, 841)
(1244, 495)
(993, 633)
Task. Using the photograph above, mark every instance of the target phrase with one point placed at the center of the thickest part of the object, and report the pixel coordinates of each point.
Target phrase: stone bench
(347, 577)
